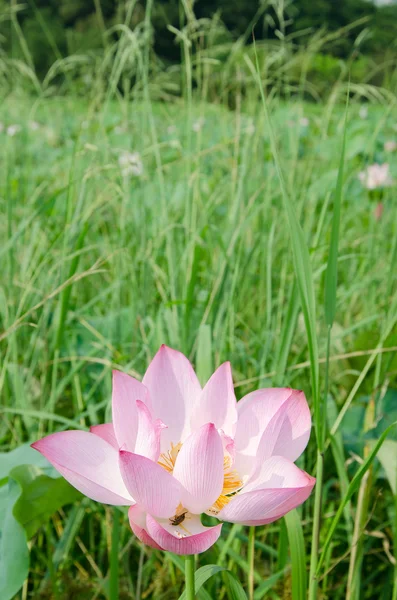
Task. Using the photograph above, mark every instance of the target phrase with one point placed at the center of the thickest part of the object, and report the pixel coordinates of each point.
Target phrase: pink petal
(277, 489)
(218, 403)
(137, 518)
(126, 391)
(147, 441)
(106, 432)
(88, 462)
(255, 413)
(155, 490)
(276, 437)
(174, 391)
(199, 468)
(166, 536)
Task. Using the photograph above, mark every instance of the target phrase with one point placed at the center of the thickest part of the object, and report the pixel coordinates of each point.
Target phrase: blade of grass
(298, 555)
(331, 281)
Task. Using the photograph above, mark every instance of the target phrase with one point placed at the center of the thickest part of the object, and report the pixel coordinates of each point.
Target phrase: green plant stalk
(140, 574)
(251, 561)
(114, 558)
(313, 581)
(353, 486)
(353, 578)
(364, 492)
(189, 577)
(394, 596)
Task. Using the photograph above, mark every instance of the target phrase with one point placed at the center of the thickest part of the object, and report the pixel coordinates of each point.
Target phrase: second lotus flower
(174, 451)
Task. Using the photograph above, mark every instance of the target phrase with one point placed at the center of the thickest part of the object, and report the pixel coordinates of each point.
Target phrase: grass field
(127, 224)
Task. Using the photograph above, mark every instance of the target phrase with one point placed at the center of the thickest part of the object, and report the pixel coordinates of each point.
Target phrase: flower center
(167, 459)
(231, 483)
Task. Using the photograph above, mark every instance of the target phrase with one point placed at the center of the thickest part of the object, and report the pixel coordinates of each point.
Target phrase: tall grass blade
(298, 555)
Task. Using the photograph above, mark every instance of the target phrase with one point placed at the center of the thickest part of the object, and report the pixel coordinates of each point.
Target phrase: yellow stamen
(167, 459)
(231, 482)
(231, 485)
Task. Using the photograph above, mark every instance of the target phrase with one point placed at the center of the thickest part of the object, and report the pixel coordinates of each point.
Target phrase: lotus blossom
(376, 176)
(174, 451)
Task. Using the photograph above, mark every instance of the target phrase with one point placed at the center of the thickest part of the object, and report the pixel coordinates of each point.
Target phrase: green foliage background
(53, 29)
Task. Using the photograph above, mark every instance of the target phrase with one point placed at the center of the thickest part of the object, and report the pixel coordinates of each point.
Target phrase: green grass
(99, 269)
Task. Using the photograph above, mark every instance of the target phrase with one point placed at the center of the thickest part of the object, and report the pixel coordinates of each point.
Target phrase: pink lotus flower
(376, 176)
(175, 450)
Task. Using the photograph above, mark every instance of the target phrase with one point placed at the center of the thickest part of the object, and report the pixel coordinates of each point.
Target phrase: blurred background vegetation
(139, 209)
(358, 36)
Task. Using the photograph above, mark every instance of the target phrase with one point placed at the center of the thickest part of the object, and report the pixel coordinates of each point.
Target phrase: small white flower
(198, 125)
(363, 112)
(34, 125)
(376, 176)
(304, 122)
(13, 130)
(131, 164)
(390, 146)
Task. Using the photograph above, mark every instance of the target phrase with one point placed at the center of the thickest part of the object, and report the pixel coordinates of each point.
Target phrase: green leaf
(298, 556)
(24, 455)
(204, 573)
(41, 497)
(14, 553)
(234, 587)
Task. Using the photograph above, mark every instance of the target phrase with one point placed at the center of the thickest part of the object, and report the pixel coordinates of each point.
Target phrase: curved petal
(88, 462)
(155, 490)
(147, 441)
(177, 540)
(137, 519)
(279, 488)
(199, 468)
(217, 403)
(125, 392)
(106, 432)
(278, 472)
(255, 412)
(174, 391)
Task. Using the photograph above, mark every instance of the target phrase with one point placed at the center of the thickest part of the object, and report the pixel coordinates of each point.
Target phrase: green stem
(313, 583)
(251, 555)
(189, 577)
(114, 558)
